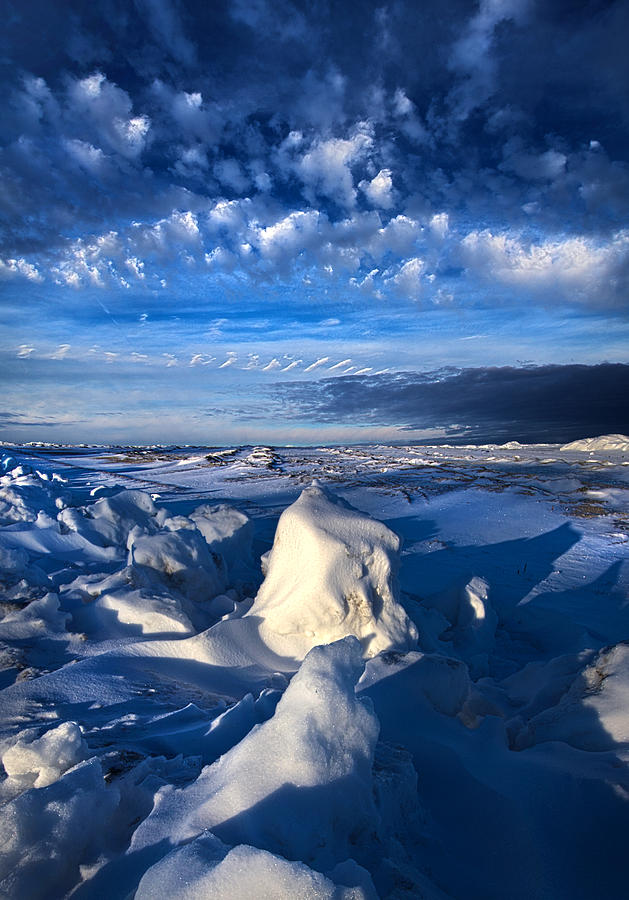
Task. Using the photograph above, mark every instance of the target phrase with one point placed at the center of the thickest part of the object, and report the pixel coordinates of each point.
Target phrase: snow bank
(300, 784)
(40, 761)
(207, 868)
(614, 442)
(46, 833)
(332, 572)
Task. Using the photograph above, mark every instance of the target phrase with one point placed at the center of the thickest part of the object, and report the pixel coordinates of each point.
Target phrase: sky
(283, 222)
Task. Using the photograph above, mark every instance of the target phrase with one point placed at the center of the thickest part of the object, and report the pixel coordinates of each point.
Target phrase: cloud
(339, 365)
(109, 110)
(292, 365)
(232, 357)
(231, 175)
(576, 268)
(408, 280)
(379, 191)
(290, 236)
(471, 54)
(531, 404)
(163, 20)
(531, 166)
(315, 365)
(326, 168)
(12, 268)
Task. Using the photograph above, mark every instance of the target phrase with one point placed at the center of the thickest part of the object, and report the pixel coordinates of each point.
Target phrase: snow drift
(332, 572)
(299, 784)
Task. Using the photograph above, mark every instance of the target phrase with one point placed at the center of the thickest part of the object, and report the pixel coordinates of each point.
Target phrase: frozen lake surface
(345, 672)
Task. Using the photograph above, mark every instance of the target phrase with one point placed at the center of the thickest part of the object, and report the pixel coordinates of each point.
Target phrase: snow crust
(332, 571)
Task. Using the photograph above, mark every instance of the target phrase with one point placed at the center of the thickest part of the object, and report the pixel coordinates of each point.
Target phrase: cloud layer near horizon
(531, 404)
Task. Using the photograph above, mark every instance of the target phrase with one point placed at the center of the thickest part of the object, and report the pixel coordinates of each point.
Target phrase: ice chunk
(469, 613)
(149, 613)
(109, 520)
(332, 572)
(228, 531)
(40, 761)
(207, 868)
(13, 562)
(45, 834)
(23, 494)
(300, 784)
(428, 678)
(184, 558)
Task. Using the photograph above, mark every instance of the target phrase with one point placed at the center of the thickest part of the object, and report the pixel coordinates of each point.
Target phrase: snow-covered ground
(347, 672)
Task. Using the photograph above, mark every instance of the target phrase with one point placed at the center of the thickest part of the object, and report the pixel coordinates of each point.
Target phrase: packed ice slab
(429, 664)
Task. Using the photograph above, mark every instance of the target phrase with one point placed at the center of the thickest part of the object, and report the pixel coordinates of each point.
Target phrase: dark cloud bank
(536, 404)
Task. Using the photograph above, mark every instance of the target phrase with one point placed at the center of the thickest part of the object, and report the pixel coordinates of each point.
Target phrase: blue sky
(227, 222)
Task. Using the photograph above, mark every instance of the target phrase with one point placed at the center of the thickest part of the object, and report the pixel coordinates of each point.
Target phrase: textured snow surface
(408, 678)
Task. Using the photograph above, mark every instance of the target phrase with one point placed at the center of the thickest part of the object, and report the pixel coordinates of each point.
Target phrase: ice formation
(46, 833)
(332, 571)
(42, 760)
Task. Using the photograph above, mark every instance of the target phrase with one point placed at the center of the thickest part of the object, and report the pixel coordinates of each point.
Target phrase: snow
(207, 868)
(311, 800)
(332, 571)
(45, 833)
(406, 678)
(40, 761)
(606, 442)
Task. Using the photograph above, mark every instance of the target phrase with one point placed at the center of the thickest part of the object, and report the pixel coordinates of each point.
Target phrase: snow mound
(299, 784)
(614, 442)
(46, 834)
(332, 572)
(42, 760)
(109, 521)
(207, 868)
(24, 494)
(228, 531)
(182, 556)
(34, 620)
(593, 712)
